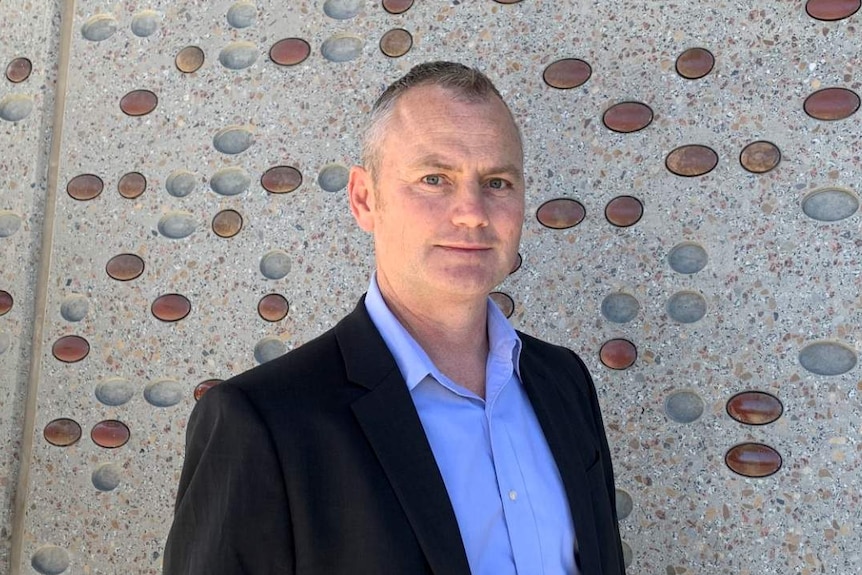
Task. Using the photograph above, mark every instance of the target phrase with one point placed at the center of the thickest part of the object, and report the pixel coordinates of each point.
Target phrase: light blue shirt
(502, 480)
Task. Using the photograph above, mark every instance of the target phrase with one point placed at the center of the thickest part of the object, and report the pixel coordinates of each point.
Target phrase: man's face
(446, 205)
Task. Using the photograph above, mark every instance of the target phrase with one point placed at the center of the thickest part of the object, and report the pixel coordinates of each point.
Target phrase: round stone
(139, 103)
(180, 183)
(145, 23)
(230, 181)
(628, 554)
(273, 307)
(125, 267)
(227, 223)
(74, 307)
(691, 160)
(624, 211)
(233, 140)
(686, 306)
(50, 560)
(618, 354)
(504, 301)
(832, 104)
(687, 258)
(5, 342)
(70, 348)
(281, 179)
(561, 213)
(132, 185)
(268, 349)
(189, 59)
(695, 63)
(754, 407)
(107, 476)
(625, 504)
(567, 73)
(115, 391)
(171, 307)
(84, 187)
(15, 107)
(242, 15)
(110, 434)
(753, 460)
(19, 70)
(684, 406)
(333, 177)
(275, 265)
(9, 223)
(177, 225)
(342, 47)
(620, 307)
(829, 205)
(289, 51)
(342, 9)
(827, 358)
(62, 432)
(760, 157)
(831, 10)
(164, 393)
(397, 6)
(99, 27)
(396, 42)
(238, 55)
(627, 117)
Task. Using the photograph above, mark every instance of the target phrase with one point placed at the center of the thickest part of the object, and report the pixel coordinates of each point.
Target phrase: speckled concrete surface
(775, 280)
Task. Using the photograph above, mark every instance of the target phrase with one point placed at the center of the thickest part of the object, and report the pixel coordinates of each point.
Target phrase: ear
(361, 196)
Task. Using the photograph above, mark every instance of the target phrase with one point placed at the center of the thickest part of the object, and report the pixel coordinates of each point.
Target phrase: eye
(497, 184)
(432, 180)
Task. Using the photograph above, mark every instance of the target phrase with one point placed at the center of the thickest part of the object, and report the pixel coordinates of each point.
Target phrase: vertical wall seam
(67, 12)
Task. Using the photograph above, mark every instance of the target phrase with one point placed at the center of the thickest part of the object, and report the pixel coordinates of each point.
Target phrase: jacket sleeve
(608, 468)
(232, 514)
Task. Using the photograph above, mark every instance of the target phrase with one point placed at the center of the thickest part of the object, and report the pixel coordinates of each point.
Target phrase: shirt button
(513, 495)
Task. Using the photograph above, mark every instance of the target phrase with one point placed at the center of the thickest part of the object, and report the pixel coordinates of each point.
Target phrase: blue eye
(497, 184)
(432, 180)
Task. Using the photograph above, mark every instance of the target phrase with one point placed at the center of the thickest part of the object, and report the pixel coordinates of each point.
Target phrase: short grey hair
(467, 84)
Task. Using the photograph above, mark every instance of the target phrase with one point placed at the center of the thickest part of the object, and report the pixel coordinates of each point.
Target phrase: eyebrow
(438, 162)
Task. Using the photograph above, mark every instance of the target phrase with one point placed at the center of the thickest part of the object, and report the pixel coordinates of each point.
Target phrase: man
(422, 434)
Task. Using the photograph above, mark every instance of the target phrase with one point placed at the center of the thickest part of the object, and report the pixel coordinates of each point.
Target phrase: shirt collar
(414, 364)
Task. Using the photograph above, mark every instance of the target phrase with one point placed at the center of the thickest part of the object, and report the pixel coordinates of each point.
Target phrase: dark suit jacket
(316, 464)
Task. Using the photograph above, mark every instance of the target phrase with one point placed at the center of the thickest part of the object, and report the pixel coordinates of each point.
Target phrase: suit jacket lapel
(389, 420)
(569, 440)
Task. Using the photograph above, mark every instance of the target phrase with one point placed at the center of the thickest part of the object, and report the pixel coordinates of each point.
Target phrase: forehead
(436, 117)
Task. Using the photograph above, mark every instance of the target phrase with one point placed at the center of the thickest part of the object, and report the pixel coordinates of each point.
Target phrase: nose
(470, 207)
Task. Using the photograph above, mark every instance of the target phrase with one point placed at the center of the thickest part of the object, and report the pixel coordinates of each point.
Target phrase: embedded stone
(686, 306)
(107, 476)
(831, 104)
(171, 307)
(832, 10)
(70, 348)
(830, 204)
(275, 265)
(145, 23)
(627, 117)
(618, 354)
(230, 181)
(753, 460)
(74, 307)
(560, 213)
(110, 434)
(684, 406)
(19, 70)
(242, 15)
(691, 160)
(567, 73)
(268, 349)
(342, 47)
(50, 560)
(273, 307)
(233, 140)
(754, 407)
(15, 107)
(687, 258)
(9, 223)
(827, 358)
(625, 504)
(503, 301)
(760, 157)
(177, 225)
(227, 223)
(281, 179)
(397, 6)
(189, 59)
(99, 27)
(238, 55)
(115, 391)
(139, 103)
(164, 393)
(84, 187)
(289, 51)
(342, 9)
(396, 42)
(695, 63)
(125, 267)
(180, 183)
(624, 211)
(620, 307)
(333, 177)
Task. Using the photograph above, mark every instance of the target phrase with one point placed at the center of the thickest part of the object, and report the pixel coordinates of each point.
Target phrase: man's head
(443, 188)
(467, 84)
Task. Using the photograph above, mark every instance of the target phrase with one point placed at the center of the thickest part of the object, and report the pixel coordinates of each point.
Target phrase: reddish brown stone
(695, 63)
(171, 307)
(397, 6)
(110, 434)
(618, 354)
(281, 179)
(692, 160)
(396, 42)
(754, 407)
(189, 59)
(62, 432)
(624, 211)
(132, 185)
(125, 267)
(273, 307)
(5, 302)
(627, 117)
(830, 10)
(19, 70)
(139, 103)
(560, 213)
(85, 187)
(70, 348)
(753, 460)
(831, 104)
(567, 73)
(289, 51)
(227, 223)
(760, 157)
(204, 387)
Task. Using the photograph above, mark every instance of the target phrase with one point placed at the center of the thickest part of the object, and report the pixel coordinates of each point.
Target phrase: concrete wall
(680, 291)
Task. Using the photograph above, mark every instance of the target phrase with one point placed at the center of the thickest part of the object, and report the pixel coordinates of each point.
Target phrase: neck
(454, 334)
